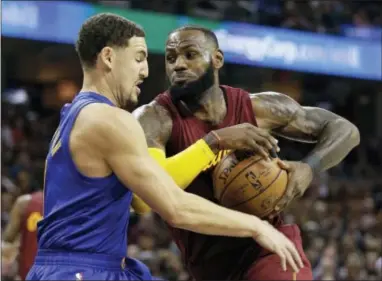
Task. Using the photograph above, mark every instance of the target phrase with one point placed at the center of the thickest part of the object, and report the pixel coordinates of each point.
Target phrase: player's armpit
(13, 227)
(335, 136)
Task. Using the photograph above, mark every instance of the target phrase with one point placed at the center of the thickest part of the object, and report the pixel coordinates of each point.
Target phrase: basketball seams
(238, 174)
(265, 188)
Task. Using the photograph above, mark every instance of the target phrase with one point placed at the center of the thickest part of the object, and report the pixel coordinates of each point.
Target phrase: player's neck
(213, 107)
(97, 84)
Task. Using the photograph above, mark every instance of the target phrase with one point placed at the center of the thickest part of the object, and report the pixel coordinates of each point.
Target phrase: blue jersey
(85, 219)
(81, 213)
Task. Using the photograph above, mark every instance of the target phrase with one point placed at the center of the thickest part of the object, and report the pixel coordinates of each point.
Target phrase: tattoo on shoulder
(156, 123)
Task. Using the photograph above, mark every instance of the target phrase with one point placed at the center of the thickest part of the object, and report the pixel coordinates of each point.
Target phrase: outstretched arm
(335, 136)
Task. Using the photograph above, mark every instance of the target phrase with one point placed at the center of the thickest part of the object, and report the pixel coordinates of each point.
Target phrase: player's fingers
(283, 203)
(269, 137)
(282, 259)
(253, 145)
(295, 254)
(290, 260)
(283, 164)
(287, 198)
(263, 141)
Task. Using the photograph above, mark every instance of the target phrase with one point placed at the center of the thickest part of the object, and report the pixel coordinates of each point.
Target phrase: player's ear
(218, 59)
(107, 57)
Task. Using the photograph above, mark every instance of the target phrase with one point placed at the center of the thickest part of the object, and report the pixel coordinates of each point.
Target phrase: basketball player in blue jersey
(98, 156)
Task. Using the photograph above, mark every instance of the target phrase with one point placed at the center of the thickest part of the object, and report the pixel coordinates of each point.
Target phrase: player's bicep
(285, 117)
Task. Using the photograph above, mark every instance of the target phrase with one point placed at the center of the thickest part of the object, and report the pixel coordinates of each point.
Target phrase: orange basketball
(252, 185)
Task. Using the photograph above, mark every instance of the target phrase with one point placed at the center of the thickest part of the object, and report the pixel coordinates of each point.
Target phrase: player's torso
(81, 213)
(210, 256)
(28, 240)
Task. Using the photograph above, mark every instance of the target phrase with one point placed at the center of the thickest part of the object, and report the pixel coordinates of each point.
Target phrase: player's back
(32, 214)
(210, 257)
(85, 219)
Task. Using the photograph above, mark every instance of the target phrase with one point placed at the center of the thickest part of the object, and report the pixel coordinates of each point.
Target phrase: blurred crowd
(312, 15)
(341, 219)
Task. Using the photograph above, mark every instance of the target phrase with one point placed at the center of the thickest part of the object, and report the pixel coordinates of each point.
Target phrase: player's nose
(180, 64)
(144, 73)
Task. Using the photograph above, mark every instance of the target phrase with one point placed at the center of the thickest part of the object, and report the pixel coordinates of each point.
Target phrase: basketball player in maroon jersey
(197, 107)
(25, 214)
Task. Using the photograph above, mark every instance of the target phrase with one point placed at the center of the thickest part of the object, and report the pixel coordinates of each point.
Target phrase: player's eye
(170, 58)
(140, 58)
(191, 54)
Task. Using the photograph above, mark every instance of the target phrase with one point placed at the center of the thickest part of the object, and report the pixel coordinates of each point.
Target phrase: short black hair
(101, 30)
(209, 34)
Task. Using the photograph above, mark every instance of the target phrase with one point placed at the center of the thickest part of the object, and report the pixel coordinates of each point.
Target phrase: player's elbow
(346, 131)
(180, 219)
(182, 213)
(353, 135)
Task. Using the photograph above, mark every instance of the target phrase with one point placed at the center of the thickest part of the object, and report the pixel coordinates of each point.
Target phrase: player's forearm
(200, 215)
(185, 210)
(336, 140)
(185, 166)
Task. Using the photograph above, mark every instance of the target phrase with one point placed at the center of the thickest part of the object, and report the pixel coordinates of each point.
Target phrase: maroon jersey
(210, 257)
(28, 244)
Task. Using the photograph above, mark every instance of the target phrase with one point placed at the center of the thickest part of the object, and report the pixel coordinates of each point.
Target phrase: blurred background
(321, 53)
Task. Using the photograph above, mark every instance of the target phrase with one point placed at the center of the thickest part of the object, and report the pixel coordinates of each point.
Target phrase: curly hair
(103, 30)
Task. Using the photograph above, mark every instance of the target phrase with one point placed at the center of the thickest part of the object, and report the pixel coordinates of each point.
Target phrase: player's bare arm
(12, 230)
(334, 136)
(120, 140)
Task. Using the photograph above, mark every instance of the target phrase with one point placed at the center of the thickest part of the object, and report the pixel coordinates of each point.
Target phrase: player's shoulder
(100, 122)
(102, 116)
(152, 111)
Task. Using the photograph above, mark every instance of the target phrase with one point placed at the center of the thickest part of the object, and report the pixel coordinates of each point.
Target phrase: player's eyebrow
(184, 46)
(143, 52)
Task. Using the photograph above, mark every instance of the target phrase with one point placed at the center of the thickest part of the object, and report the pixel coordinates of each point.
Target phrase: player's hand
(243, 137)
(273, 240)
(300, 175)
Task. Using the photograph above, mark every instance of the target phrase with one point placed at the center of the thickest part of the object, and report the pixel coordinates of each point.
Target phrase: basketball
(249, 184)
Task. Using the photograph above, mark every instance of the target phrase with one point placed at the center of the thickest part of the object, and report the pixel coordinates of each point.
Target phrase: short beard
(191, 93)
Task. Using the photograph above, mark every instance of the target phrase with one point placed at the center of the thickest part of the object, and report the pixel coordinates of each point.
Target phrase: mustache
(192, 91)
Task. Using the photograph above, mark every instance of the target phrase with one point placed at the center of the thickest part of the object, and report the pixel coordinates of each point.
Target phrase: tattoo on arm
(156, 123)
(334, 135)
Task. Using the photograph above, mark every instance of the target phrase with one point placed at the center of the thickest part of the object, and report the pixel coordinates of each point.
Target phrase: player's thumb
(283, 164)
